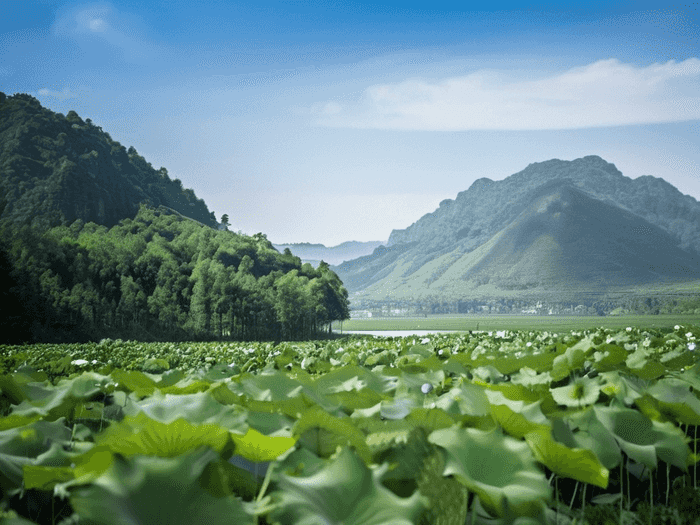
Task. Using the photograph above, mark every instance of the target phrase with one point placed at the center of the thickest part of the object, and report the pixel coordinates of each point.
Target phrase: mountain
(56, 169)
(557, 229)
(315, 253)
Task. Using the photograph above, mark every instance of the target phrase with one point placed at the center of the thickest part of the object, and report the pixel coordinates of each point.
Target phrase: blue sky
(334, 121)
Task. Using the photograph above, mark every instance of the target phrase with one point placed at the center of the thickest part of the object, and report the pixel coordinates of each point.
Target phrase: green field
(515, 322)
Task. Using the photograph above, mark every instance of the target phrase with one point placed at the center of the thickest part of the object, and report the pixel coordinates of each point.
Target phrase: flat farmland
(515, 322)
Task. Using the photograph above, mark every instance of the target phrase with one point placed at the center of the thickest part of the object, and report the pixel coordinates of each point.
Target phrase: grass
(516, 322)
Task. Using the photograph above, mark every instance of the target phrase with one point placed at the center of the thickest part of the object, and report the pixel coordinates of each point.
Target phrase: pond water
(398, 333)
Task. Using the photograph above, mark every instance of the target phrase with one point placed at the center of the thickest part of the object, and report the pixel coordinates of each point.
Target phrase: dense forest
(159, 276)
(55, 169)
(95, 243)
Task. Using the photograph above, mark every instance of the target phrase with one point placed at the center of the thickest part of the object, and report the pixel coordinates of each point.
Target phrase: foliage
(159, 276)
(57, 169)
(438, 433)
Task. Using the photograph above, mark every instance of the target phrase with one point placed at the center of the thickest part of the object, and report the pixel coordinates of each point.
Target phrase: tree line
(159, 276)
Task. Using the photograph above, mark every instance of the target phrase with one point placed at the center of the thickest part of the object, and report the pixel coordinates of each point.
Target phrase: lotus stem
(622, 489)
(695, 465)
(651, 497)
(574, 496)
(668, 482)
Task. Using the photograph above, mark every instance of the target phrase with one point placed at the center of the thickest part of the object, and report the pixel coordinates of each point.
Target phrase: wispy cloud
(604, 93)
(60, 95)
(102, 22)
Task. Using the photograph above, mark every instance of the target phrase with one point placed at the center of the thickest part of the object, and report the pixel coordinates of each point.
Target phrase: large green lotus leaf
(15, 420)
(142, 435)
(643, 439)
(530, 378)
(430, 418)
(372, 411)
(577, 463)
(638, 358)
(344, 491)
(272, 385)
(258, 447)
(133, 381)
(650, 370)
(322, 433)
(271, 423)
(519, 392)
(385, 434)
(582, 391)
(675, 399)
(501, 470)
(299, 462)
(359, 376)
(186, 386)
(592, 435)
(572, 359)
(170, 378)
(292, 407)
(352, 400)
(419, 464)
(608, 356)
(195, 408)
(51, 467)
(516, 417)
(21, 446)
(465, 399)
(34, 439)
(154, 491)
(222, 478)
(425, 365)
(399, 407)
(59, 401)
(15, 388)
(624, 388)
(690, 375)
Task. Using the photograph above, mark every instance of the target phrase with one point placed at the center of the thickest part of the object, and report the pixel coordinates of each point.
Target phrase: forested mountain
(95, 243)
(159, 277)
(315, 253)
(56, 169)
(556, 229)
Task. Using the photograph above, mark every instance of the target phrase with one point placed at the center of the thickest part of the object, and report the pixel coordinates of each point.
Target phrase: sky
(330, 121)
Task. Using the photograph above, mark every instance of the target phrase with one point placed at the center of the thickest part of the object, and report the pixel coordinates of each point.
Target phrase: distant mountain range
(55, 169)
(315, 253)
(557, 229)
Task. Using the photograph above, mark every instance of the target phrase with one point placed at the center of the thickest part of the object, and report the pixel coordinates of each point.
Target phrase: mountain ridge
(56, 169)
(315, 253)
(494, 239)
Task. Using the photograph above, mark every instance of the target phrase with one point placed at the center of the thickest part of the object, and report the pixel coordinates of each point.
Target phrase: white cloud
(604, 93)
(102, 21)
(60, 95)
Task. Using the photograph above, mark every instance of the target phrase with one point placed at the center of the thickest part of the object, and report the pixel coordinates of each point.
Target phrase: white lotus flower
(427, 387)
(677, 327)
(79, 362)
(691, 346)
(425, 341)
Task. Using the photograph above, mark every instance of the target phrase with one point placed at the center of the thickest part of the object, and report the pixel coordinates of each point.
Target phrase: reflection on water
(398, 333)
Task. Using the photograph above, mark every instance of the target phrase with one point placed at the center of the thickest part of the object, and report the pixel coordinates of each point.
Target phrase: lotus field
(504, 427)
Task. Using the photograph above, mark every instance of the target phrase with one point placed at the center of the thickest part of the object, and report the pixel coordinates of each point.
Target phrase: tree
(224, 220)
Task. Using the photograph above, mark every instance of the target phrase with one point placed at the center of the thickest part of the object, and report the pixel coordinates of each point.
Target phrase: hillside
(315, 253)
(56, 169)
(95, 244)
(555, 230)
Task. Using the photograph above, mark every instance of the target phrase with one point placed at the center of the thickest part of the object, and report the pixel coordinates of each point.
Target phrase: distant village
(599, 307)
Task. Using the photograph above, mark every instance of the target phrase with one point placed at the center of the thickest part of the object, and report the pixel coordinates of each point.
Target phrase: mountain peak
(623, 230)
